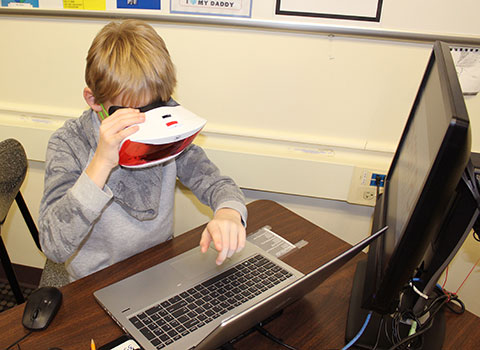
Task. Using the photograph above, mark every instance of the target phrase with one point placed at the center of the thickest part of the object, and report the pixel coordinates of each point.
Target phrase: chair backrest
(13, 168)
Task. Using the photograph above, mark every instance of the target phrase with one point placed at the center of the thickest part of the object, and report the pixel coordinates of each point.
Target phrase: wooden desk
(315, 322)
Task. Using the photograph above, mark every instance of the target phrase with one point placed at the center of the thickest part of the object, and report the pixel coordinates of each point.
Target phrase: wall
(290, 115)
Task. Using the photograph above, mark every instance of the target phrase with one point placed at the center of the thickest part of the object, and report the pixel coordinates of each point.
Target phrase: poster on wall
(84, 4)
(139, 4)
(359, 10)
(467, 64)
(20, 3)
(232, 8)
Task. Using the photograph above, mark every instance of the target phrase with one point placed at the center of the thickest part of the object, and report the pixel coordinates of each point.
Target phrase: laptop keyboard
(176, 317)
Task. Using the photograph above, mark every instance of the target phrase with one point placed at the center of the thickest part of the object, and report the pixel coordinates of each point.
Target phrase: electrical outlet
(363, 187)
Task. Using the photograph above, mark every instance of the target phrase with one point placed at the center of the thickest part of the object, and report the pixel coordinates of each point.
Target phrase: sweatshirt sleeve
(203, 178)
(71, 202)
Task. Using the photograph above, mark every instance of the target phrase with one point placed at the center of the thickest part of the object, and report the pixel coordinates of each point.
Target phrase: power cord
(19, 340)
(454, 304)
(273, 338)
(476, 236)
(378, 184)
(454, 300)
(443, 299)
(378, 334)
(412, 337)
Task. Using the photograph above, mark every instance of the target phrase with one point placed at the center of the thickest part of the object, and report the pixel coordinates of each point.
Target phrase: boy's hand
(113, 131)
(226, 231)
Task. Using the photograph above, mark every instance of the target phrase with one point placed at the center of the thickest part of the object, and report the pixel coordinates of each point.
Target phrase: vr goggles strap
(144, 109)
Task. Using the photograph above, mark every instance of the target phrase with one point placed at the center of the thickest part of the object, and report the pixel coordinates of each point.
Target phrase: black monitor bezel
(385, 276)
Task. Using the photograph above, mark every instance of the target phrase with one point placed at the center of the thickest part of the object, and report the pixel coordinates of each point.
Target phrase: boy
(95, 213)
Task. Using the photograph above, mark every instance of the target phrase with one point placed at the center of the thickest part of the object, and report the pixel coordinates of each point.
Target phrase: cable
(270, 336)
(416, 290)
(471, 270)
(433, 308)
(397, 324)
(446, 276)
(455, 295)
(386, 333)
(476, 236)
(378, 333)
(443, 299)
(412, 337)
(378, 183)
(360, 332)
(453, 300)
(19, 340)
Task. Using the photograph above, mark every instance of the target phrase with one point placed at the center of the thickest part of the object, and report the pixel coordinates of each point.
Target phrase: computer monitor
(430, 204)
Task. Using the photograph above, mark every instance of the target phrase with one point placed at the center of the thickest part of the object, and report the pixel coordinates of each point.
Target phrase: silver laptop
(188, 302)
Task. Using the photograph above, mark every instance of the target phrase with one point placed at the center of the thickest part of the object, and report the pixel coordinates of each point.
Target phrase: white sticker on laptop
(271, 242)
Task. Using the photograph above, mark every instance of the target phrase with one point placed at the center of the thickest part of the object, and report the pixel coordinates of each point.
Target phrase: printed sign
(139, 4)
(20, 3)
(237, 8)
(84, 4)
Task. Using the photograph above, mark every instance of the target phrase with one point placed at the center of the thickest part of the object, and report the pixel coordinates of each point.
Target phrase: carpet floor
(7, 300)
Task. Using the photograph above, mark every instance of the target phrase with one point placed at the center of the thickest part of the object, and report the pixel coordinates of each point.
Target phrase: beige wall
(280, 107)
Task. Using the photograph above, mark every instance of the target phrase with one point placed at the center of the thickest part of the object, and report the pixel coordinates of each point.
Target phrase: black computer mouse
(41, 307)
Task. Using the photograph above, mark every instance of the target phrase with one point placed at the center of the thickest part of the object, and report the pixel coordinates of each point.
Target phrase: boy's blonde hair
(129, 59)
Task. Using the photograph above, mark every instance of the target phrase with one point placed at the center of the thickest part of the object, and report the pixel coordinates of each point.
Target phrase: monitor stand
(373, 336)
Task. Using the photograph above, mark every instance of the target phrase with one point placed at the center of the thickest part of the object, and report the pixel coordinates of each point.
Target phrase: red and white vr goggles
(166, 132)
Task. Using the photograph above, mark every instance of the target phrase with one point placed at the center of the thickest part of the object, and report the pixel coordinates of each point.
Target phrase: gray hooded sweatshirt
(89, 228)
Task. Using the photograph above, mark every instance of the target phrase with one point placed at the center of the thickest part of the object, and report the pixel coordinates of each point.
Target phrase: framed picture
(358, 10)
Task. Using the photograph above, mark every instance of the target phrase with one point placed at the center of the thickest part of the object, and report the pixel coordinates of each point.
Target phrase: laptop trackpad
(196, 263)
